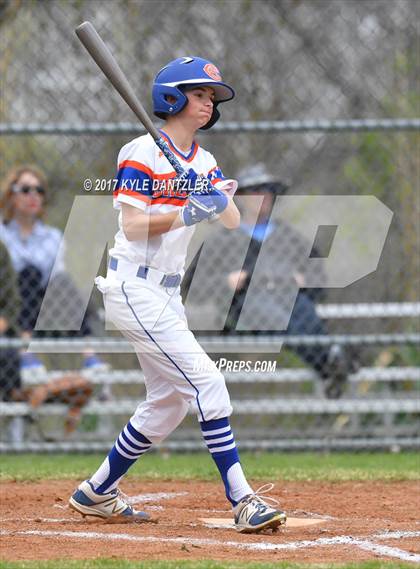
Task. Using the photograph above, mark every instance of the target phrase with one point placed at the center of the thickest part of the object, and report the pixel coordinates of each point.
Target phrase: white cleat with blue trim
(253, 514)
(112, 506)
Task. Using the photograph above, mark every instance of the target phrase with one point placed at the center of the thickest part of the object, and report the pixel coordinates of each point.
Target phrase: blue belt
(167, 281)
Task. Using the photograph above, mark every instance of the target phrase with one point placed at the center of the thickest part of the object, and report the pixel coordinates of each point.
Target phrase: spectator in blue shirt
(36, 250)
(280, 270)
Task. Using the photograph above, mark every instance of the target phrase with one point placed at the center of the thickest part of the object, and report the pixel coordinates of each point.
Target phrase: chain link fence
(327, 99)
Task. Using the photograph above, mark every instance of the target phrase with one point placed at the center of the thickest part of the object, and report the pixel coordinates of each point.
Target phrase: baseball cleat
(253, 514)
(111, 506)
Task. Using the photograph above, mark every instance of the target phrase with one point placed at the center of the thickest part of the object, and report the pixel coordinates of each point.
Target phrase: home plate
(227, 523)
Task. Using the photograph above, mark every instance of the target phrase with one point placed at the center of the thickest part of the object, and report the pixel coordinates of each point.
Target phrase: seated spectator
(275, 282)
(10, 378)
(35, 251)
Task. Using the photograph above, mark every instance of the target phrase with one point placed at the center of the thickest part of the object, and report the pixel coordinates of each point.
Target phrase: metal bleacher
(281, 409)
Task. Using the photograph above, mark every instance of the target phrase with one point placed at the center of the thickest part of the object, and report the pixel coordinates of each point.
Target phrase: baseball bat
(109, 66)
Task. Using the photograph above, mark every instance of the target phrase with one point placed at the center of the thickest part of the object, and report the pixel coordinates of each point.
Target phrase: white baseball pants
(153, 319)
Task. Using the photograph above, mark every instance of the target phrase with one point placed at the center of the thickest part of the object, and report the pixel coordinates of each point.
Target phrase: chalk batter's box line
(361, 543)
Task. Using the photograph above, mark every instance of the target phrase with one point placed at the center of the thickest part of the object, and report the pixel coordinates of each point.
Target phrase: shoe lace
(260, 496)
(123, 497)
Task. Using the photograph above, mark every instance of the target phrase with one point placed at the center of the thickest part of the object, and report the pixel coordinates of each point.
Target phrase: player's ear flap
(214, 118)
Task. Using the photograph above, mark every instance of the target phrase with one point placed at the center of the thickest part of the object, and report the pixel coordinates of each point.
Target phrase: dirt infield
(363, 521)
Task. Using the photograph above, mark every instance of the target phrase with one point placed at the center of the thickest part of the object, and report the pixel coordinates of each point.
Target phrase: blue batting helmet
(183, 72)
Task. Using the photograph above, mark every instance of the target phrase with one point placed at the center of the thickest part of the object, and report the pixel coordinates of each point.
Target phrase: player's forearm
(230, 217)
(141, 227)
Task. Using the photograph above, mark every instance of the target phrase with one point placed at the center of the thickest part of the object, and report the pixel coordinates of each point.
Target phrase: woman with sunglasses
(33, 245)
(34, 248)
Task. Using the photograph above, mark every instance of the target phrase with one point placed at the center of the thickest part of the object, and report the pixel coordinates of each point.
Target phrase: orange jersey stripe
(146, 170)
(171, 201)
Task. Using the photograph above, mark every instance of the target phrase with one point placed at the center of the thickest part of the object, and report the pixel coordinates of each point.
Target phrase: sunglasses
(28, 189)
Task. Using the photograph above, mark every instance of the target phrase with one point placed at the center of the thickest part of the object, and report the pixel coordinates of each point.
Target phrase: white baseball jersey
(149, 315)
(142, 173)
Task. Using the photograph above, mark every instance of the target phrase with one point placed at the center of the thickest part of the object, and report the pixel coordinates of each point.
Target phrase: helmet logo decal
(212, 71)
(186, 60)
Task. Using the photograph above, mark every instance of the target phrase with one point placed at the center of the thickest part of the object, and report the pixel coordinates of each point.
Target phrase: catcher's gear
(110, 505)
(203, 206)
(184, 72)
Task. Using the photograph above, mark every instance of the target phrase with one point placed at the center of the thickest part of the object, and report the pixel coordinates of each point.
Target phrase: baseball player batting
(157, 218)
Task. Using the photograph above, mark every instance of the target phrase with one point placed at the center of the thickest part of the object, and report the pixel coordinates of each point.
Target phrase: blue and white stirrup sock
(221, 444)
(128, 447)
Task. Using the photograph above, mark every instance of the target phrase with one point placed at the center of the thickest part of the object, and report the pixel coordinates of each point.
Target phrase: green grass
(265, 466)
(122, 564)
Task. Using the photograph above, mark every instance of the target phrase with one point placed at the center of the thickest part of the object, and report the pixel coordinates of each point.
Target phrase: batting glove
(219, 199)
(191, 182)
(203, 206)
